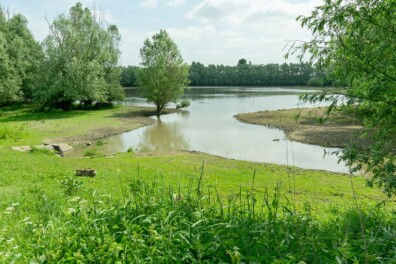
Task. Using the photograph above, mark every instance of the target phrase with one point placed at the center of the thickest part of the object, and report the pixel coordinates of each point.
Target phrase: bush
(183, 104)
(314, 82)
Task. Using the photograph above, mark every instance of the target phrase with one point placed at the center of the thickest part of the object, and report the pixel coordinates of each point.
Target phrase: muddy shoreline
(301, 125)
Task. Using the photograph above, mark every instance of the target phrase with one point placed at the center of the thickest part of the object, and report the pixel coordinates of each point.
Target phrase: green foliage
(92, 153)
(100, 142)
(156, 224)
(183, 103)
(247, 74)
(36, 150)
(128, 76)
(291, 74)
(130, 150)
(10, 132)
(71, 185)
(314, 82)
(164, 74)
(355, 42)
(19, 56)
(81, 57)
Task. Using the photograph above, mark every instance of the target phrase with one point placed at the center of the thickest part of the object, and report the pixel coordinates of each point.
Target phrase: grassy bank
(175, 207)
(23, 126)
(303, 125)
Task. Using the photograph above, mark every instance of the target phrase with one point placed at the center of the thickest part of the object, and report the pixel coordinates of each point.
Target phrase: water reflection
(162, 137)
(209, 126)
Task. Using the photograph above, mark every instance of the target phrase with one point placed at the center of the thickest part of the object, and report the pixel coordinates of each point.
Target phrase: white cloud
(175, 2)
(236, 12)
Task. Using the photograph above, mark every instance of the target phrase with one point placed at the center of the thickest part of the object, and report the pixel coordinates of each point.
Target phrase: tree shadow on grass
(28, 114)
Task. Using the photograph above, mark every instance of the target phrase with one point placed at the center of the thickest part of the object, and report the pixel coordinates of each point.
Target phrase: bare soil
(302, 125)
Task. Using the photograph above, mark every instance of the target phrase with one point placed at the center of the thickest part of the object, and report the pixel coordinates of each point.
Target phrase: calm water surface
(208, 125)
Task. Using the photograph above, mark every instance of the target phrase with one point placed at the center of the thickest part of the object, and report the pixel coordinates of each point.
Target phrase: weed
(150, 226)
(130, 150)
(10, 132)
(92, 153)
(100, 142)
(71, 186)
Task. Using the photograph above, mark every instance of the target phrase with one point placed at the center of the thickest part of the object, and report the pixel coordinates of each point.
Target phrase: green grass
(34, 127)
(157, 223)
(177, 207)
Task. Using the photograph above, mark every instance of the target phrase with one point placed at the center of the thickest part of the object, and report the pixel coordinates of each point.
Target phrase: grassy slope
(31, 128)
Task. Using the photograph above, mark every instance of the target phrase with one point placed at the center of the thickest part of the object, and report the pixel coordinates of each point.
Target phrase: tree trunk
(158, 109)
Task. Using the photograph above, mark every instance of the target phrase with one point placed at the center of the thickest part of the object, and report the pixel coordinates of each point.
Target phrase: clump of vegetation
(183, 103)
(192, 227)
(36, 150)
(314, 82)
(10, 132)
(100, 142)
(92, 153)
(130, 150)
(71, 186)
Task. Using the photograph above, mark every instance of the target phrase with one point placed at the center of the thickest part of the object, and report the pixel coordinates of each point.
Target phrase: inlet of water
(209, 126)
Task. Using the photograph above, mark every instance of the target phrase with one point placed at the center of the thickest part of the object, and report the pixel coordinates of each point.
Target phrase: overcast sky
(208, 31)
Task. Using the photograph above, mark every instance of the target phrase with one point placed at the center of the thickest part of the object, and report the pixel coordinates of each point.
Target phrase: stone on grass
(86, 172)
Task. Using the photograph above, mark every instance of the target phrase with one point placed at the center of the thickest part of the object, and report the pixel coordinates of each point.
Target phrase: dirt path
(337, 131)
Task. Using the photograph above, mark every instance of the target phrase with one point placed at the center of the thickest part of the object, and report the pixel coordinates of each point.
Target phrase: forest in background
(243, 74)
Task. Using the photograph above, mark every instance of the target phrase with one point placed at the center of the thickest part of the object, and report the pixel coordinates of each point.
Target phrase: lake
(208, 125)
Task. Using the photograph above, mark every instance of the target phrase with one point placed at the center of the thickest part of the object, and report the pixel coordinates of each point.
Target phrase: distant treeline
(243, 74)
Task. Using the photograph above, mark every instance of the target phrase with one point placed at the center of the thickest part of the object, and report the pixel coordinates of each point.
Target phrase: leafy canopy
(81, 56)
(355, 42)
(19, 56)
(164, 74)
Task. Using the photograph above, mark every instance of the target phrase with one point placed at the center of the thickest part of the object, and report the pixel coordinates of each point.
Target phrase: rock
(63, 147)
(88, 144)
(22, 148)
(86, 172)
(58, 150)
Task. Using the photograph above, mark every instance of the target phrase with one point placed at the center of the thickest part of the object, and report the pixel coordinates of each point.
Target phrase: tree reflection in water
(163, 137)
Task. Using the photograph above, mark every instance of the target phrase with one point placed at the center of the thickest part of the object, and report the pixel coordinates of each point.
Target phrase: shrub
(314, 82)
(183, 104)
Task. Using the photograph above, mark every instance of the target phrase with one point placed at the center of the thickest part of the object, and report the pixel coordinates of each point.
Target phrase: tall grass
(156, 223)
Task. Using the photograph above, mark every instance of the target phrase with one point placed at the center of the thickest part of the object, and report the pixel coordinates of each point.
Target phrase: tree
(9, 80)
(164, 74)
(355, 42)
(128, 76)
(81, 56)
(20, 54)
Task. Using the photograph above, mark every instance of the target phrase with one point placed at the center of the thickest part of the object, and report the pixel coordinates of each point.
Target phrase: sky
(208, 31)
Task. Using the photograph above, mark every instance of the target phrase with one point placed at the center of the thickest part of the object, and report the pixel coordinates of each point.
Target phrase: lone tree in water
(164, 74)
